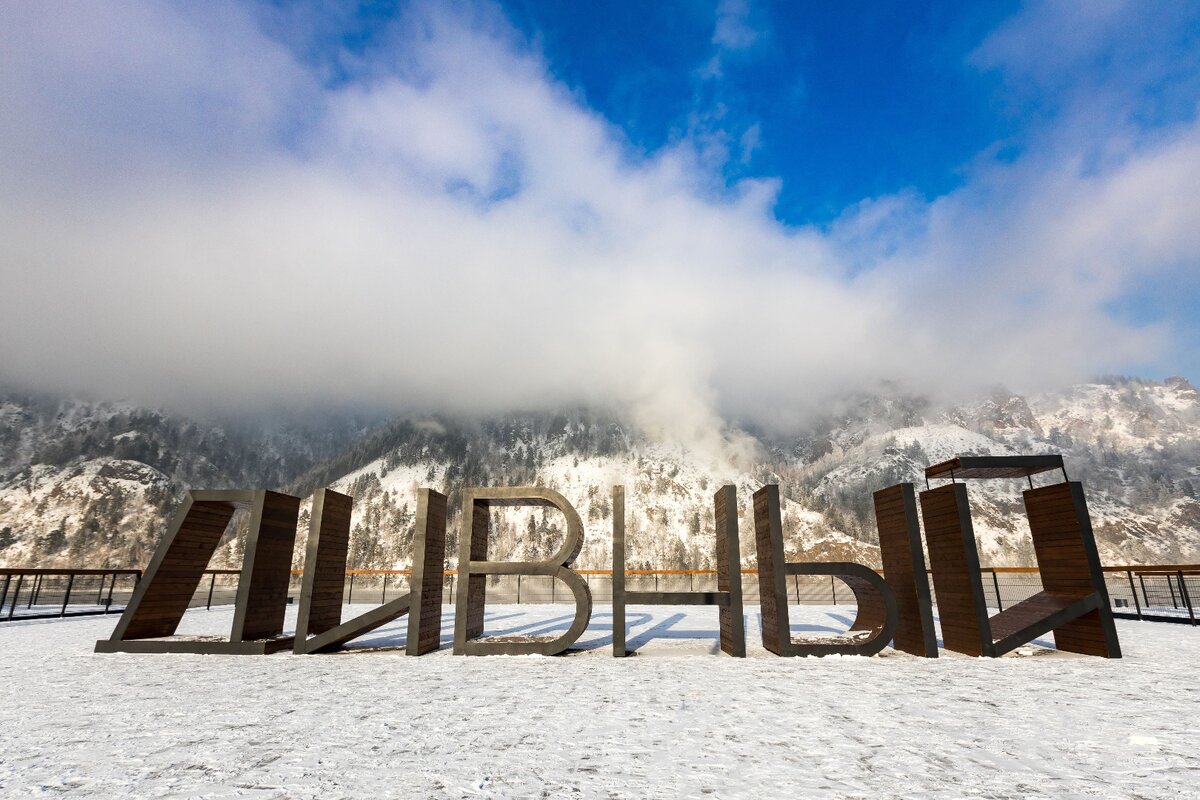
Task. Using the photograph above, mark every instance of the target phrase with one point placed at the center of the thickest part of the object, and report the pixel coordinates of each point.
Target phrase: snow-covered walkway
(675, 721)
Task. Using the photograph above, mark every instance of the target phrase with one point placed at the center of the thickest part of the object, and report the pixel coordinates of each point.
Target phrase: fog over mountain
(204, 208)
(91, 483)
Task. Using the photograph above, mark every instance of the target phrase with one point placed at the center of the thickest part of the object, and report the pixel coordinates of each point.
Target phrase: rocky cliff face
(91, 483)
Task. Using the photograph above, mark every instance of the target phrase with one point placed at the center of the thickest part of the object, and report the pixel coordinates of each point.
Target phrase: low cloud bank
(198, 212)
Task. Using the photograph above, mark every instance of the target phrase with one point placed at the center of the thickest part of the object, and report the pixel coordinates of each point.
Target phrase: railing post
(1145, 596)
(111, 585)
(518, 588)
(1136, 603)
(67, 596)
(553, 586)
(1187, 597)
(4, 594)
(1171, 589)
(383, 598)
(212, 584)
(833, 588)
(16, 596)
(796, 584)
(100, 594)
(996, 584)
(37, 589)
(350, 598)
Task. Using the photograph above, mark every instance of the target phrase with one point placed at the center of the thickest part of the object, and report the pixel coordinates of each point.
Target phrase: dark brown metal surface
(1070, 566)
(728, 597)
(473, 569)
(324, 583)
(329, 532)
(966, 467)
(1074, 601)
(875, 623)
(954, 561)
(904, 566)
(162, 596)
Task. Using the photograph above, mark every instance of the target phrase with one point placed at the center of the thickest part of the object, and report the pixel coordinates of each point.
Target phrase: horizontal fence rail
(1166, 593)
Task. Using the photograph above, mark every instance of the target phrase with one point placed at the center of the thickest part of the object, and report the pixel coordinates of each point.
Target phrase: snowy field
(674, 721)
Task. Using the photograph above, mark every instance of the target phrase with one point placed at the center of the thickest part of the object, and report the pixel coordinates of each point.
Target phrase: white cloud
(191, 215)
(733, 29)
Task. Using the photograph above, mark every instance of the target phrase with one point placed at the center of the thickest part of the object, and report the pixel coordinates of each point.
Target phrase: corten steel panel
(618, 571)
(876, 602)
(876, 615)
(324, 580)
(162, 596)
(729, 572)
(473, 569)
(904, 567)
(475, 583)
(954, 561)
(429, 553)
(964, 467)
(266, 568)
(772, 572)
(428, 572)
(1069, 565)
(728, 597)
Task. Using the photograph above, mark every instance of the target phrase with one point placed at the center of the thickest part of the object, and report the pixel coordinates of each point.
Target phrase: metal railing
(45, 593)
(1168, 593)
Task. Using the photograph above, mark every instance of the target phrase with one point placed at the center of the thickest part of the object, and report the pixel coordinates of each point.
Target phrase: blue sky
(690, 210)
(845, 100)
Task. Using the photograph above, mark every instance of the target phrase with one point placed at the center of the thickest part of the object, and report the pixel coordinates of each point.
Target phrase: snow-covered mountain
(91, 483)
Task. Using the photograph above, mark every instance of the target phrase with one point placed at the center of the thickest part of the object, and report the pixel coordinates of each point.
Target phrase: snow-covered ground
(674, 721)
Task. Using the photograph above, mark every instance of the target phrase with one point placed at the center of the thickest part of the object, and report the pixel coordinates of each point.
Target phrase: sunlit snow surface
(674, 721)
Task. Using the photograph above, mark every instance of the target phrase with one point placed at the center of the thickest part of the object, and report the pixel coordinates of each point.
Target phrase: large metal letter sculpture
(163, 594)
(728, 597)
(1074, 600)
(320, 610)
(904, 567)
(875, 622)
(473, 569)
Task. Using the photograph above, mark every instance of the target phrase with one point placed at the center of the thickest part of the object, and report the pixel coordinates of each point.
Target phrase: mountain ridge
(91, 484)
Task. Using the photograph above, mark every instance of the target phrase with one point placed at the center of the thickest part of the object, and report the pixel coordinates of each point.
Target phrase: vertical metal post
(212, 584)
(656, 581)
(1187, 597)
(691, 581)
(383, 599)
(1136, 603)
(67, 596)
(518, 588)
(16, 595)
(112, 585)
(4, 594)
(996, 583)
(796, 584)
(1171, 587)
(833, 588)
(1146, 597)
(100, 594)
(350, 598)
(553, 587)
(37, 589)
